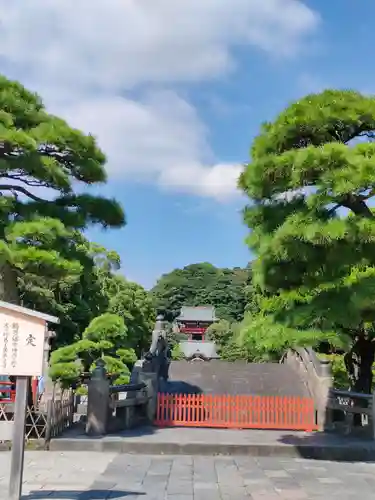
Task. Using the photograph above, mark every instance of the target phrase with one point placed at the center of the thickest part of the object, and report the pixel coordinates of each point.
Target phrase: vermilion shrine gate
(194, 321)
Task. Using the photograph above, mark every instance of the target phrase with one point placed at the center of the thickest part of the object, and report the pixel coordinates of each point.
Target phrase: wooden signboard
(21, 344)
(22, 340)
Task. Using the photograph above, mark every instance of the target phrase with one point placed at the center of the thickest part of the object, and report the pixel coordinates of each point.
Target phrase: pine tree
(311, 180)
(44, 166)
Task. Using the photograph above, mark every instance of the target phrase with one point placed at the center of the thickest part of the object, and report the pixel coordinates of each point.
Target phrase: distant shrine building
(194, 321)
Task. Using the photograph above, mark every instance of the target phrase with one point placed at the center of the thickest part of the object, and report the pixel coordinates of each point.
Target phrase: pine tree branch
(22, 190)
(25, 180)
(357, 205)
(360, 209)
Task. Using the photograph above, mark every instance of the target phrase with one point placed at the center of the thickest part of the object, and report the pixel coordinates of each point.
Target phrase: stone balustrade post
(324, 413)
(98, 402)
(151, 380)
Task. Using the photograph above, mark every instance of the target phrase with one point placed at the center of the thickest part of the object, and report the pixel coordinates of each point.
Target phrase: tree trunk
(358, 362)
(8, 284)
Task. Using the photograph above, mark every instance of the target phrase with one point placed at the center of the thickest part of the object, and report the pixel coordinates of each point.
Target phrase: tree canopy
(311, 180)
(134, 305)
(44, 164)
(116, 330)
(106, 337)
(203, 284)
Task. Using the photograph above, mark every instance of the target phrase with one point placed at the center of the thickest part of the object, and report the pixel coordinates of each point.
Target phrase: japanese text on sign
(21, 345)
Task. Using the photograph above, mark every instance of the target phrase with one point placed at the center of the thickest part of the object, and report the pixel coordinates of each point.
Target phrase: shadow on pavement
(92, 494)
(332, 447)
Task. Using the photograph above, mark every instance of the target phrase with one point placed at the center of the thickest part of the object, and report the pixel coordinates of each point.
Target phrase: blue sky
(175, 105)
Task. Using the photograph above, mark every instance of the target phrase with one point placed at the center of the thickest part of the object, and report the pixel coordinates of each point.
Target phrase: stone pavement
(203, 441)
(84, 476)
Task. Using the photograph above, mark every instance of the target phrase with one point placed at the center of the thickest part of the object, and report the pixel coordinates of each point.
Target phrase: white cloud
(159, 138)
(82, 56)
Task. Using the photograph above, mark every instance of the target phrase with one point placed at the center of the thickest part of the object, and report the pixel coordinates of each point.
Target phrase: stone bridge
(222, 377)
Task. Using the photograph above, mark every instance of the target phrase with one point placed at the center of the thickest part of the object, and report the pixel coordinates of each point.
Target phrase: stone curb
(318, 452)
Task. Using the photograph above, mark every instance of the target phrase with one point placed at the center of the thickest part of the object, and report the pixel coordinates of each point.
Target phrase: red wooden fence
(238, 412)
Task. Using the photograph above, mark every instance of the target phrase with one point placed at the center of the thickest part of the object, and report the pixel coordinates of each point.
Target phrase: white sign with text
(21, 344)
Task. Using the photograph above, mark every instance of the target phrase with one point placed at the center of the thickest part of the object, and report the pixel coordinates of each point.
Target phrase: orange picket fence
(236, 412)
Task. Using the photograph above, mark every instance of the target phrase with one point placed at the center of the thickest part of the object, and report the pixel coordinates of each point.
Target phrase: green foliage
(203, 284)
(82, 391)
(134, 305)
(170, 334)
(310, 178)
(234, 351)
(340, 376)
(226, 338)
(266, 340)
(117, 318)
(107, 327)
(127, 356)
(122, 379)
(65, 373)
(106, 338)
(74, 299)
(339, 373)
(45, 262)
(220, 333)
(177, 354)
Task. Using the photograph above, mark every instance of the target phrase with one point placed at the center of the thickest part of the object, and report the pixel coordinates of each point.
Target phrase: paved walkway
(199, 441)
(84, 476)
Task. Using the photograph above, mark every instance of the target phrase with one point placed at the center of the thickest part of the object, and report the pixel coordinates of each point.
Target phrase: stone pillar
(322, 397)
(152, 382)
(98, 402)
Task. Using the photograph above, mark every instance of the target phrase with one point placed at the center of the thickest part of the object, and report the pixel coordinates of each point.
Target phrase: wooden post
(18, 442)
(49, 424)
(22, 333)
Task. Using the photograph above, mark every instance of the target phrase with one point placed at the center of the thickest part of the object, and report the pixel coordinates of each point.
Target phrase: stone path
(84, 476)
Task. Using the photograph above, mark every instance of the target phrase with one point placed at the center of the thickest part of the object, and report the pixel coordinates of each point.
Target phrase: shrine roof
(200, 313)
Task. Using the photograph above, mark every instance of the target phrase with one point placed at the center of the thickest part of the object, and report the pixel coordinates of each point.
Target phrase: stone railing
(315, 374)
(350, 404)
(116, 408)
(129, 406)
(336, 408)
